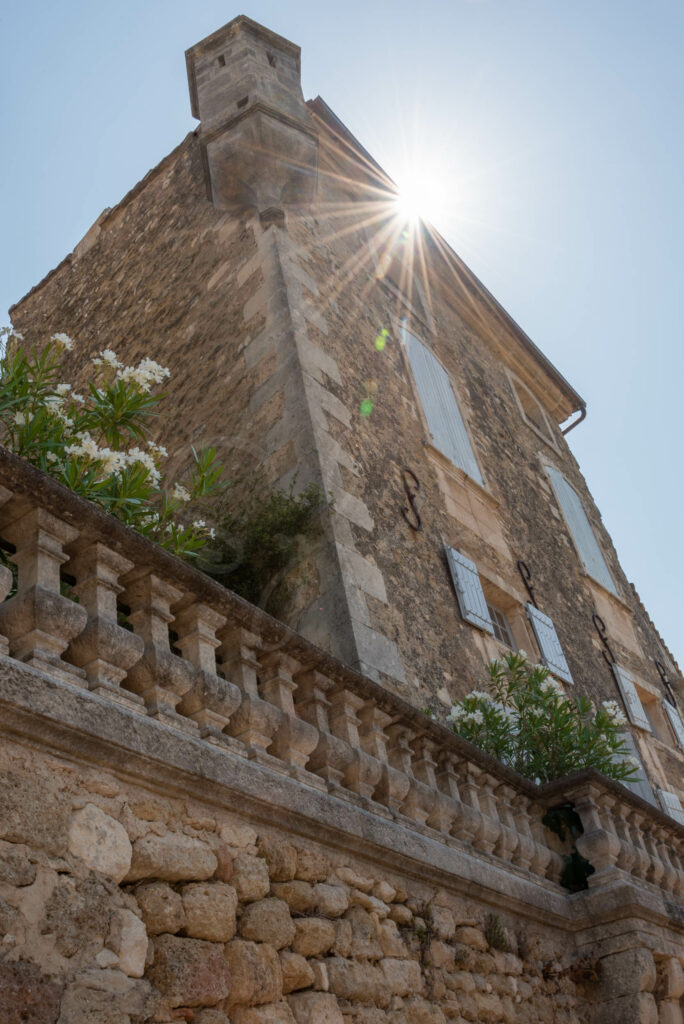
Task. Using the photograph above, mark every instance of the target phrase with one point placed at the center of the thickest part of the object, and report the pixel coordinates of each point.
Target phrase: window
(532, 410)
(672, 805)
(501, 627)
(549, 645)
(444, 419)
(631, 698)
(675, 722)
(581, 531)
(471, 599)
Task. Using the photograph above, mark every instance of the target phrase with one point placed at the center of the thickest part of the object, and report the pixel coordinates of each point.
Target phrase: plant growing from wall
(98, 445)
(526, 721)
(255, 546)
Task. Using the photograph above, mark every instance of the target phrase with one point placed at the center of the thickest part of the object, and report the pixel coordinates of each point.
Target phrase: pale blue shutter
(675, 722)
(635, 709)
(549, 645)
(640, 786)
(581, 530)
(672, 805)
(471, 599)
(441, 409)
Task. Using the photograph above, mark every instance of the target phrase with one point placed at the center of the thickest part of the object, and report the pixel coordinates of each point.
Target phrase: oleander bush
(525, 720)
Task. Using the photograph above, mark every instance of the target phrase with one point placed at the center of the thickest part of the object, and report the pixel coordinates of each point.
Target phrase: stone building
(382, 871)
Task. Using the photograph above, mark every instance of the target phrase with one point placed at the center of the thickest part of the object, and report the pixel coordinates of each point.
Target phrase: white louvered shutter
(549, 644)
(580, 528)
(441, 409)
(635, 709)
(675, 722)
(672, 805)
(471, 599)
(640, 786)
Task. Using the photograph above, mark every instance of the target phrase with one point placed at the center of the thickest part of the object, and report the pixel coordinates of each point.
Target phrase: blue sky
(549, 134)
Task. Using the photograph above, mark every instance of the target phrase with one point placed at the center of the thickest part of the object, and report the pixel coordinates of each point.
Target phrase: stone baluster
(509, 840)
(363, 772)
(642, 861)
(424, 770)
(104, 650)
(546, 862)
(393, 785)
(6, 581)
(656, 868)
(663, 839)
(526, 852)
(456, 817)
(161, 678)
(676, 856)
(474, 795)
(38, 621)
(294, 739)
(210, 701)
(627, 855)
(331, 757)
(256, 720)
(419, 800)
(598, 844)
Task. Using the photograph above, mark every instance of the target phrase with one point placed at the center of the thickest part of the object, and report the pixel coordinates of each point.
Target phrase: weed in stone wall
(495, 934)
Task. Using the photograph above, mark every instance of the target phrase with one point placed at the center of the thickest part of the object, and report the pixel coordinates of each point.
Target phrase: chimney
(257, 136)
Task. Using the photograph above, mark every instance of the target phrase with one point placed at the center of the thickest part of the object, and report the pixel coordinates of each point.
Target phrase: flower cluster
(98, 446)
(528, 722)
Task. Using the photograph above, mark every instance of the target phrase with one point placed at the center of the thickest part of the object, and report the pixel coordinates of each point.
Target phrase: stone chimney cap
(241, 23)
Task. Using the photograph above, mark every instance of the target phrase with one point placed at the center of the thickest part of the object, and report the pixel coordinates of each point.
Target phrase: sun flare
(422, 195)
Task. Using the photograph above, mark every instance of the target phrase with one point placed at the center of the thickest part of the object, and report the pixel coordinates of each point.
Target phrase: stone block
(331, 900)
(312, 866)
(354, 880)
(669, 1012)
(275, 1013)
(161, 907)
(442, 955)
(400, 913)
(250, 878)
(315, 1008)
(256, 973)
(630, 971)
(298, 895)
(384, 891)
(297, 973)
(268, 921)
(101, 842)
(358, 982)
(403, 977)
(15, 867)
(425, 1013)
(27, 996)
(365, 942)
(314, 936)
(77, 913)
(343, 937)
(173, 857)
(369, 903)
(673, 979)
(280, 857)
(209, 910)
(211, 1016)
(189, 972)
(33, 814)
(473, 937)
(8, 916)
(391, 941)
(128, 939)
(443, 923)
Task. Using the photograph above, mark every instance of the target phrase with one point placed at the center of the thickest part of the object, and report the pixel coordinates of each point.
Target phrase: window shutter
(471, 599)
(635, 709)
(549, 644)
(675, 722)
(580, 528)
(672, 805)
(641, 786)
(441, 409)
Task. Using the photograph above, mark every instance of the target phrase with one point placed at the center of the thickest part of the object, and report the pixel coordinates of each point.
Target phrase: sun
(422, 196)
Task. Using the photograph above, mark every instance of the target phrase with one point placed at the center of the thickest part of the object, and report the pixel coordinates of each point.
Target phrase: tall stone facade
(291, 839)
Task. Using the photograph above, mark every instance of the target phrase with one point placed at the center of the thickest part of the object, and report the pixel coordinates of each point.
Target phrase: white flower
(53, 402)
(109, 357)
(86, 447)
(479, 695)
(20, 419)
(146, 373)
(552, 686)
(64, 341)
(137, 455)
(456, 712)
(17, 335)
(614, 712)
(78, 398)
(180, 493)
(522, 654)
(112, 462)
(199, 524)
(63, 390)
(157, 449)
(474, 717)
(51, 457)
(212, 532)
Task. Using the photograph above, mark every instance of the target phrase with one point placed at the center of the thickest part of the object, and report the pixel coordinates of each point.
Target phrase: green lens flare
(381, 340)
(366, 407)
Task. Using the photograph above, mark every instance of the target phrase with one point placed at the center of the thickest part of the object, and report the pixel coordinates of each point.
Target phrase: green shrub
(528, 723)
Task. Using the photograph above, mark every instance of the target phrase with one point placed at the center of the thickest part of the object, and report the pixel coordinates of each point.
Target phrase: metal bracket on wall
(600, 627)
(411, 486)
(526, 577)
(662, 672)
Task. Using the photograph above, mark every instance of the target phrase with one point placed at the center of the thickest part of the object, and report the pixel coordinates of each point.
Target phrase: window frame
(547, 436)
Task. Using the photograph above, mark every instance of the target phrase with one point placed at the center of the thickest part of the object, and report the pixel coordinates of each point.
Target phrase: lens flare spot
(381, 340)
(366, 407)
